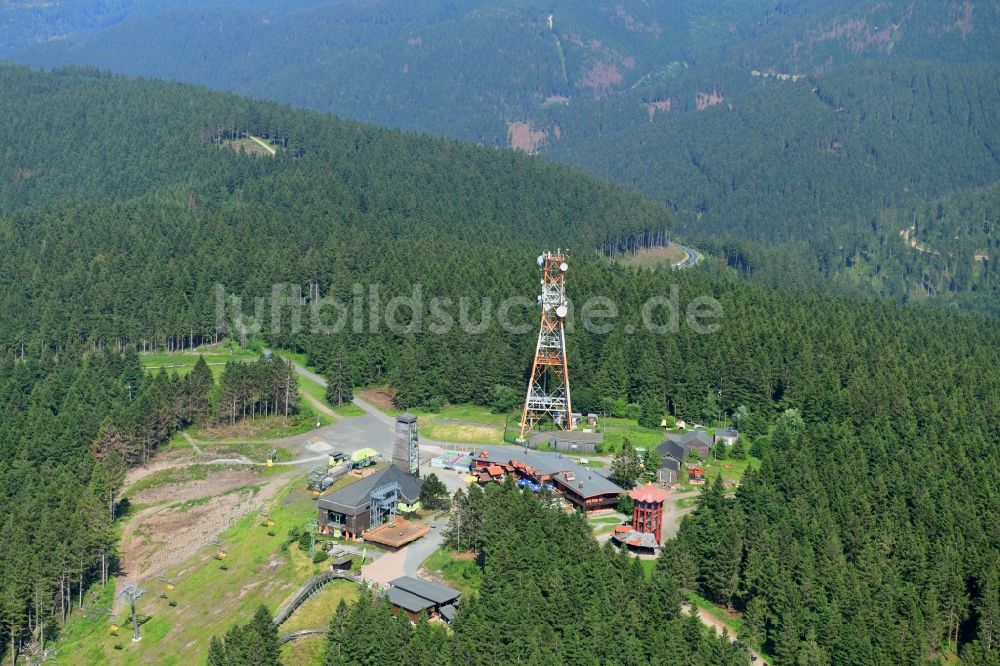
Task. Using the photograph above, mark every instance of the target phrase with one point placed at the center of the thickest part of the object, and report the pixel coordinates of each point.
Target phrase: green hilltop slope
(467, 69)
(868, 535)
(827, 167)
(81, 140)
(796, 125)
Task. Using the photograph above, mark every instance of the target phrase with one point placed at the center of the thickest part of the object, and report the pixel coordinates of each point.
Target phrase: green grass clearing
(731, 470)
(348, 409)
(305, 651)
(605, 520)
(317, 611)
(458, 569)
(617, 430)
(647, 567)
(461, 432)
(208, 598)
(182, 362)
(262, 427)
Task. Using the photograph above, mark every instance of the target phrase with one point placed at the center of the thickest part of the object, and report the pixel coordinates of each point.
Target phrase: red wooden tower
(647, 512)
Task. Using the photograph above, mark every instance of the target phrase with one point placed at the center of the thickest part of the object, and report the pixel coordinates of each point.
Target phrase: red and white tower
(548, 388)
(647, 510)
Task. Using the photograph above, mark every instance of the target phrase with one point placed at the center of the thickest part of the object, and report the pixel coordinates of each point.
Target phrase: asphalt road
(375, 429)
(691, 257)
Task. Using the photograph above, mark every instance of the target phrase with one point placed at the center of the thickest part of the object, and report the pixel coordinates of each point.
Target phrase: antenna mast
(548, 388)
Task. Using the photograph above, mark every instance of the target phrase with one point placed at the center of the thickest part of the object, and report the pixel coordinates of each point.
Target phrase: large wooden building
(579, 485)
(675, 449)
(414, 596)
(368, 502)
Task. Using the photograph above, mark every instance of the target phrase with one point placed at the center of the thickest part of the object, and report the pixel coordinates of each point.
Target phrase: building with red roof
(647, 510)
(581, 486)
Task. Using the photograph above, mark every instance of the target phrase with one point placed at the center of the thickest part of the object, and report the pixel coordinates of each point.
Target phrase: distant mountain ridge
(467, 70)
(782, 123)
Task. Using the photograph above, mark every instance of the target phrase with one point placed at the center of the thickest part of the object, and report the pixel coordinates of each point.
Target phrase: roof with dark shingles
(553, 464)
(678, 445)
(352, 499)
(410, 602)
(672, 449)
(435, 593)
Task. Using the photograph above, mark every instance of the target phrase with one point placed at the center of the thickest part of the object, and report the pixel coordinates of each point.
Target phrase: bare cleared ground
(657, 256)
(525, 136)
(248, 147)
(163, 536)
(380, 397)
(180, 492)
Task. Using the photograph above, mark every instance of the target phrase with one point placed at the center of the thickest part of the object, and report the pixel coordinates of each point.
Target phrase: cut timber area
(251, 145)
(673, 255)
(262, 144)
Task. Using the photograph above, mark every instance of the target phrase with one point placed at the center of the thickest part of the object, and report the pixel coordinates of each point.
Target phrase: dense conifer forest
(867, 537)
(836, 169)
(816, 128)
(541, 605)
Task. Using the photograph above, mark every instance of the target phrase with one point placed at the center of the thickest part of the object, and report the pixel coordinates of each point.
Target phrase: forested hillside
(802, 125)
(819, 156)
(75, 136)
(537, 597)
(868, 537)
(212, 215)
(68, 430)
(835, 169)
(573, 69)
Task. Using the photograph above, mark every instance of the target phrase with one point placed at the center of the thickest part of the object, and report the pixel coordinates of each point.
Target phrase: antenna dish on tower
(548, 388)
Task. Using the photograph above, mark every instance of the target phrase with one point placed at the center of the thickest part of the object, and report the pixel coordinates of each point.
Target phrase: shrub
(760, 446)
(615, 407)
(739, 450)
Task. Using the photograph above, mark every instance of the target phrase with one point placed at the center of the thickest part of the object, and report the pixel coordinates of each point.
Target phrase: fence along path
(310, 587)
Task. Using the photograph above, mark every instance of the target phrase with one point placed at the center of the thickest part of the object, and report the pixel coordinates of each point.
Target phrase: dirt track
(163, 536)
(189, 515)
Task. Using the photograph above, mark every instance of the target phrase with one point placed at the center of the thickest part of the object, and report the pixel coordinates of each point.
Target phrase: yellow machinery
(114, 630)
(169, 584)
